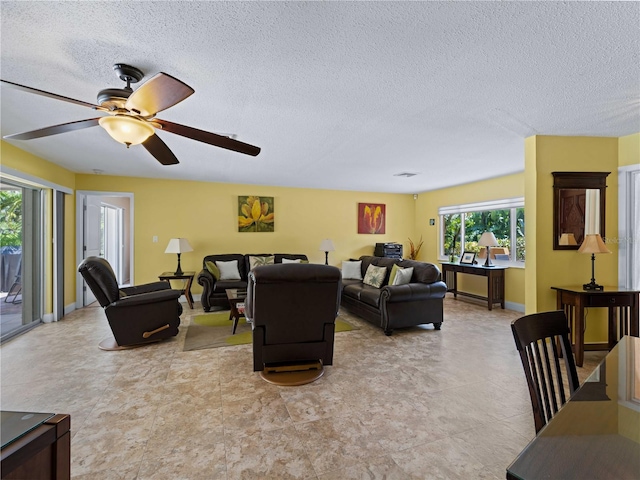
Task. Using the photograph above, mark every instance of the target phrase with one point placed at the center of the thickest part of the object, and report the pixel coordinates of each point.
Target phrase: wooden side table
(494, 275)
(187, 277)
(623, 305)
(41, 453)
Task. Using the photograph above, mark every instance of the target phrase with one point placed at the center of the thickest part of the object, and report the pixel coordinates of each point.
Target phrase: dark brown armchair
(137, 315)
(293, 308)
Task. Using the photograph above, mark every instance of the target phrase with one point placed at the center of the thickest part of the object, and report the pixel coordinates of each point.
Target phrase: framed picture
(468, 258)
(255, 214)
(371, 218)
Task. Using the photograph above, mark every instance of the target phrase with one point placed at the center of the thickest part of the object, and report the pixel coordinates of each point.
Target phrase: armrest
(146, 288)
(413, 292)
(150, 297)
(205, 278)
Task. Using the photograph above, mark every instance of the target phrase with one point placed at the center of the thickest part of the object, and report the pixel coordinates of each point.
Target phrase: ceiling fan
(131, 115)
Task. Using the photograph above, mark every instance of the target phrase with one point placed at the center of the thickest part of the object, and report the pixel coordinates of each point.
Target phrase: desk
(40, 451)
(573, 300)
(495, 281)
(186, 289)
(595, 435)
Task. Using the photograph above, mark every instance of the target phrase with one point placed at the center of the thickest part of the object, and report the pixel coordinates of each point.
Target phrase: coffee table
(235, 296)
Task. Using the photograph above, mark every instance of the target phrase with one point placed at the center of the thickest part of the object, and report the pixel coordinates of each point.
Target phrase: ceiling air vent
(405, 174)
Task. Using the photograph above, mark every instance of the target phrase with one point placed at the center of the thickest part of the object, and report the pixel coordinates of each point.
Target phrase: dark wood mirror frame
(569, 192)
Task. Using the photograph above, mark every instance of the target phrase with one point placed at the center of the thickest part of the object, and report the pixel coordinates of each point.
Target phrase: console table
(495, 281)
(621, 301)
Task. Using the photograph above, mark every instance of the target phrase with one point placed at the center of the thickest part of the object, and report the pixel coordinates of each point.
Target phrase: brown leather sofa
(213, 290)
(396, 306)
(137, 315)
(292, 308)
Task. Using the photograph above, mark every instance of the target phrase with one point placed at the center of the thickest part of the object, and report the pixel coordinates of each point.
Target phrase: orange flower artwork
(371, 218)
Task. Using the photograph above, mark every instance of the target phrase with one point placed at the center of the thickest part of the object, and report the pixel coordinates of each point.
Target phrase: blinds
(504, 204)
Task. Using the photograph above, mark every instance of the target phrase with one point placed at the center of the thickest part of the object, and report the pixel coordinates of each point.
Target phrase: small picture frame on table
(468, 258)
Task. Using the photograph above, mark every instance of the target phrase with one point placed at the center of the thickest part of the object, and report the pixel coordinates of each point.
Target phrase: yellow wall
(206, 214)
(32, 165)
(629, 150)
(427, 205)
(567, 267)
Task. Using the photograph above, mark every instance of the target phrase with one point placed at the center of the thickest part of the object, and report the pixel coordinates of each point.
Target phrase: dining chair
(542, 339)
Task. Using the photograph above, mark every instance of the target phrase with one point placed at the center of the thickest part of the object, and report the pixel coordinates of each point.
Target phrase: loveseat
(420, 301)
(214, 289)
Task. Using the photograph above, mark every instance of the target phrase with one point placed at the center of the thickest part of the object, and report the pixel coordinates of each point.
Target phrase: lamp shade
(593, 243)
(567, 239)
(178, 245)
(488, 239)
(327, 245)
(126, 129)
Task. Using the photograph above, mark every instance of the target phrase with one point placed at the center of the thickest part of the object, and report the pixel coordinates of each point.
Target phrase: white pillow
(403, 276)
(287, 260)
(352, 270)
(228, 270)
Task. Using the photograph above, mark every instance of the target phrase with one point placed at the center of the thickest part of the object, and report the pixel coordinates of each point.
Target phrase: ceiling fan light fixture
(126, 129)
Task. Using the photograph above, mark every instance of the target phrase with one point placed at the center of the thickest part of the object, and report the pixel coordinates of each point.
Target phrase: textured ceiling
(339, 95)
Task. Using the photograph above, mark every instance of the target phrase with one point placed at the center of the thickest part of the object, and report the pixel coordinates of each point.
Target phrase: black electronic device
(389, 250)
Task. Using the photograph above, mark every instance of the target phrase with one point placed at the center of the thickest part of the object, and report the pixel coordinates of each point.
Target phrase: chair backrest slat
(541, 339)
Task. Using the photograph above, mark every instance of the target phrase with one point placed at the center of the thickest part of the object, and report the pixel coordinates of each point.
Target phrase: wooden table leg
(187, 292)
(579, 331)
(634, 320)
(490, 289)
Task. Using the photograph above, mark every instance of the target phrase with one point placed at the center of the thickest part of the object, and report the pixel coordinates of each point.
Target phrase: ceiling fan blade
(158, 93)
(54, 130)
(47, 94)
(156, 147)
(208, 137)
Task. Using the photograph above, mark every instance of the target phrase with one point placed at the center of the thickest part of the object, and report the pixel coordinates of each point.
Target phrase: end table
(186, 286)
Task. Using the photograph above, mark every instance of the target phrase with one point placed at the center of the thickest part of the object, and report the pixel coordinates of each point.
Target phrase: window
(462, 226)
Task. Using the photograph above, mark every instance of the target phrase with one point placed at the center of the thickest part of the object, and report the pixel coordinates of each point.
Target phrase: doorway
(105, 229)
(21, 257)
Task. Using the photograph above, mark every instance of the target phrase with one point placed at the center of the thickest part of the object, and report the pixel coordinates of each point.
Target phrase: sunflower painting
(255, 214)
(371, 218)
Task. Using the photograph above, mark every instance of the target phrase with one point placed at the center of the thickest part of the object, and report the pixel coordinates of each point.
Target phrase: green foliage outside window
(476, 223)
(10, 218)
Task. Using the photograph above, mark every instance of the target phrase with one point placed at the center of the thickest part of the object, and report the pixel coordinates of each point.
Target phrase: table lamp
(326, 246)
(593, 244)
(488, 239)
(178, 245)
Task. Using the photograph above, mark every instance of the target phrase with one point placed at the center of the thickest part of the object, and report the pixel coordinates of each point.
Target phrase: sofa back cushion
(422, 272)
(290, 256)
(227, 257)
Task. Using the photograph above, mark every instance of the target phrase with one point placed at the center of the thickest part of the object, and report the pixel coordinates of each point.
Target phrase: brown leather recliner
(137, 315)
(293, 308)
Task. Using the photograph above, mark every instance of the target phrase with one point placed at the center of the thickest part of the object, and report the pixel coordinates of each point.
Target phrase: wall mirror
(579, 200)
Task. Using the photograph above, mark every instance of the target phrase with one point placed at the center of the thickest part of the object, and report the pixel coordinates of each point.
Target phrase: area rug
(213, 330)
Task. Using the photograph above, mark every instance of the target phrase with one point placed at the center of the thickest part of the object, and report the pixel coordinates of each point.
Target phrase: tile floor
(420, 404)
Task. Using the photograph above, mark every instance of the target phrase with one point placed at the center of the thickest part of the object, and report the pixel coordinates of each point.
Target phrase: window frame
(511, 204)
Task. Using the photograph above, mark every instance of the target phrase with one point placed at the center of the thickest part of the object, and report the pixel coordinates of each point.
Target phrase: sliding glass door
(21, 266)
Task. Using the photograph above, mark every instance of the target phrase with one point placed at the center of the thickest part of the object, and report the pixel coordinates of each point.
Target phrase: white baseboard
(47, 318)
(69, 308)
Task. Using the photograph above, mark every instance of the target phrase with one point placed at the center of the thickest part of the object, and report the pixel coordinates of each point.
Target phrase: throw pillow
(392, 275)
(374, 276)
(228, 270)
(258, 261)
(352, 270)
(288, 260)
(213, 270)
(403, 276)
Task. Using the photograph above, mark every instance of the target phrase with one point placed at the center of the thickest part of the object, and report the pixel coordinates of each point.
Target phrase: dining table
(596, 434)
